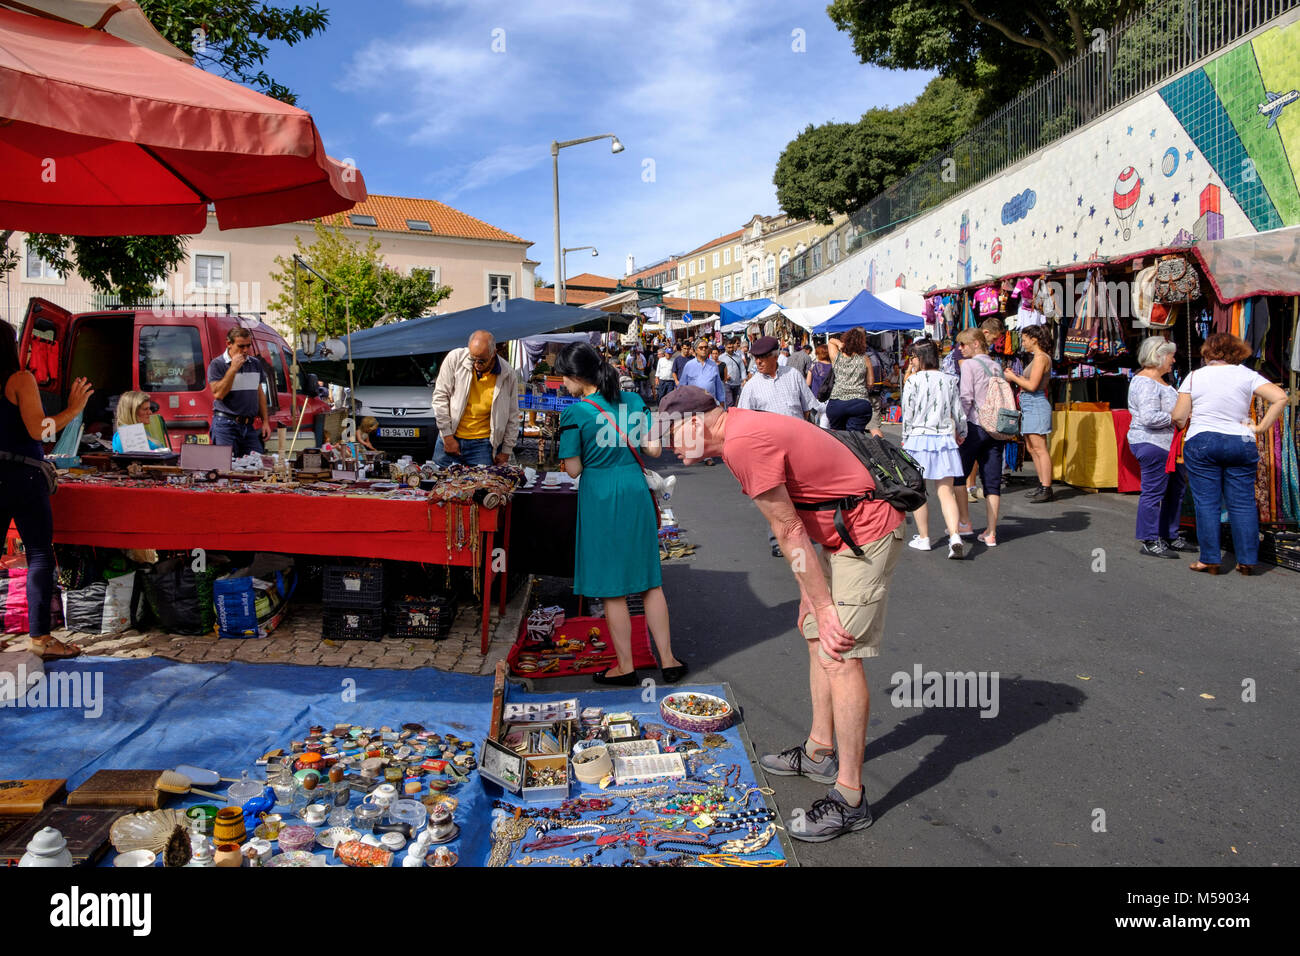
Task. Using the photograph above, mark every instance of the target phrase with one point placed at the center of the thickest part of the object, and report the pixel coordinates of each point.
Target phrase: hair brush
(173, 782)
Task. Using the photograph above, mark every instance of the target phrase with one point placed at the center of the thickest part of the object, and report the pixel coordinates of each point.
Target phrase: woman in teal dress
(617, 551)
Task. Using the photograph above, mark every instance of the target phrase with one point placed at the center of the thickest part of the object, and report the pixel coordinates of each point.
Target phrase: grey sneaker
(795, 763)
(828, 818)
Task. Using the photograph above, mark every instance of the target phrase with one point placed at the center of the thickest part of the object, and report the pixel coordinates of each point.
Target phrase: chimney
(631, 265)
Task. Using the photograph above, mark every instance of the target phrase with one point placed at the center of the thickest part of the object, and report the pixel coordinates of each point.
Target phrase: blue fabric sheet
(223, 716)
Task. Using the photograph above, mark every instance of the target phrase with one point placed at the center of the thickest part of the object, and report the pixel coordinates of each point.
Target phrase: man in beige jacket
(476, 403)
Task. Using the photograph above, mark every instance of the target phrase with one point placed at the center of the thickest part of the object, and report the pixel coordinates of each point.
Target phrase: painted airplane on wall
(1275, 104)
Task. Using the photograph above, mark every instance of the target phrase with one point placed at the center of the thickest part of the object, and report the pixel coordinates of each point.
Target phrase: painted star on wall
(1107, 221)
(1175, 199)
(1130, 130)
(1151, 200)
(1140, 224)
(1165, 221)
(1079, 202)
(1152, 134)
(1092, 211)
(1189, 155)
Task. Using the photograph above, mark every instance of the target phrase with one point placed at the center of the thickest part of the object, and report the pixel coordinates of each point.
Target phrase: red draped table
(177, 519)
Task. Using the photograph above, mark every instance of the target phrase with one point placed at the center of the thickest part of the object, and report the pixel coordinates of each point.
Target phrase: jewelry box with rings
(546, 779)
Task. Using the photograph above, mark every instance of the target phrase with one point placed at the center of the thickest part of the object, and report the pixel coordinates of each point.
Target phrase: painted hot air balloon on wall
(1128, 188)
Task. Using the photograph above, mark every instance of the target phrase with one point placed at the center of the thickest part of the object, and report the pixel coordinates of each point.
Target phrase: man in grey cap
(779, 389)
(786, 465)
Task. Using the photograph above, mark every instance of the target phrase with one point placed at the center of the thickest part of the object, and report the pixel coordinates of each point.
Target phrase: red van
(164, 354)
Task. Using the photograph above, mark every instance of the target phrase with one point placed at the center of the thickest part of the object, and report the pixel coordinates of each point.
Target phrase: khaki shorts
(860, 589)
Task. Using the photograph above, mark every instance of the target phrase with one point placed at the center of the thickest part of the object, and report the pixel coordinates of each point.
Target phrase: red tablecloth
(177, 519)
(1130, 472)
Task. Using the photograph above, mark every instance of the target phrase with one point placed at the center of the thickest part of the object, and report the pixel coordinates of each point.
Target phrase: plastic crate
(353, 587)
(564, 401)
(427, 618)
(352, 624)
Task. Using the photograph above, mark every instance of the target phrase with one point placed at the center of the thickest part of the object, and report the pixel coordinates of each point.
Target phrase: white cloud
(501, 163)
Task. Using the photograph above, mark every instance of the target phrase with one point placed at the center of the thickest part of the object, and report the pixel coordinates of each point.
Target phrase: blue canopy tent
(742, 310)
(865, 310)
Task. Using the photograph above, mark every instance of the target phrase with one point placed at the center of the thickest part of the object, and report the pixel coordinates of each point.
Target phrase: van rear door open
(43, 350)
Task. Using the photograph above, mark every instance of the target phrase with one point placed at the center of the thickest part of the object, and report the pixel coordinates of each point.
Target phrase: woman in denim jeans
(1220, 450)
(1150, 436)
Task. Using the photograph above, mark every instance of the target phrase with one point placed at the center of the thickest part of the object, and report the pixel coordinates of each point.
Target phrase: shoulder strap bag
(653, 499)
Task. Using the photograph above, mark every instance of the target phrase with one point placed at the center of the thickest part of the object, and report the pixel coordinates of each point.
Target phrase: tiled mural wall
(1213, 153)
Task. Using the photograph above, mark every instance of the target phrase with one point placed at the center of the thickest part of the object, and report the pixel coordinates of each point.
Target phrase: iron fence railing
(1146, 49)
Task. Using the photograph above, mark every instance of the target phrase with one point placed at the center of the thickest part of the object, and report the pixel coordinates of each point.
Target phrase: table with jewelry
(120, 513)
(698, 802)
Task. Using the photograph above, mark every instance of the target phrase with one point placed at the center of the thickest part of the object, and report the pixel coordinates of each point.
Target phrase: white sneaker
(955, 546)
(921, 544)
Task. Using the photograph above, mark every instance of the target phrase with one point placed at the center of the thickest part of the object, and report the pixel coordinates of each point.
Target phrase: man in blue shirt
(702, 372)
(235, 378)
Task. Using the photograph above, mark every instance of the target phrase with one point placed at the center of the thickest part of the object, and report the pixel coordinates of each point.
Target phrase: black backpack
(899, 480)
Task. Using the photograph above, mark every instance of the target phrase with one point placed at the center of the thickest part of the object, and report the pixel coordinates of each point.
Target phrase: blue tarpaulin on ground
(865, 310)
(155, 713)
(741, 310)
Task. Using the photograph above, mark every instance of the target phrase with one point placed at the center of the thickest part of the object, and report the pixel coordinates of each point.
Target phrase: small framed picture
(502, 766)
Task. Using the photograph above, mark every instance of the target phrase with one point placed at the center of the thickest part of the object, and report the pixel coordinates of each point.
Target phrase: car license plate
(399, 433)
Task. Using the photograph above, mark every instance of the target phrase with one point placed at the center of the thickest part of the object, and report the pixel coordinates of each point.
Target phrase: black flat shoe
(671, 675)
(622, 680)
(1043, 495)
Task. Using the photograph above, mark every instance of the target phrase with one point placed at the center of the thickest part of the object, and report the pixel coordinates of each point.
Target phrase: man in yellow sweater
(476, 404)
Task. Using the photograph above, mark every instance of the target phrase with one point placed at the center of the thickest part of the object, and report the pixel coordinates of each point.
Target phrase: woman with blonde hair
(977, 371)
(133, 408)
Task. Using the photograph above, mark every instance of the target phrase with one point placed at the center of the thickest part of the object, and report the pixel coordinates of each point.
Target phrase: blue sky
(704, 95)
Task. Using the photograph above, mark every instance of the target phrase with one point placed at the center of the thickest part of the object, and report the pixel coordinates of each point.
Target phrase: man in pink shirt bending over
(781, 463)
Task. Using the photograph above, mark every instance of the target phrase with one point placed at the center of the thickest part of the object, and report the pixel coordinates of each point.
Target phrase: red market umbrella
(99, 136)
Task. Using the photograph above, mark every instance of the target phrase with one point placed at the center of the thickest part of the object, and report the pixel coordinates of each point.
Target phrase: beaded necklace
(554, 858)
(751, 844)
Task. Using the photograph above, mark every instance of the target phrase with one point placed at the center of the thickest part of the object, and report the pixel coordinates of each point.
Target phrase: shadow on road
(1023, 705)
(1011, 526)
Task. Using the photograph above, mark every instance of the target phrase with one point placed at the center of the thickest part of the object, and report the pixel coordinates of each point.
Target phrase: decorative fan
(146, 831)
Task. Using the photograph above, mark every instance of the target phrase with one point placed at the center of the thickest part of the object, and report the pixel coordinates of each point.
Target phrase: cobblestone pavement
(298, 641)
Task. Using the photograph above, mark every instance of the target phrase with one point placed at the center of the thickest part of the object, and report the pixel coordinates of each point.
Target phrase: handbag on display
(1078, 340)
(1162, 316)
(1176, 281)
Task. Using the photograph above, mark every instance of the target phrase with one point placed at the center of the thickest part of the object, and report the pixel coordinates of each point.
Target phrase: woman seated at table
(617, 550)
(134, 408)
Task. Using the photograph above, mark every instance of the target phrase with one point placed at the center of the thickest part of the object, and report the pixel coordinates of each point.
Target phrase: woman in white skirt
(933, 425)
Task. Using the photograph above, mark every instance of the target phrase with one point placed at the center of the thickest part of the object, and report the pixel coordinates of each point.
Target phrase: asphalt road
(1121, 735)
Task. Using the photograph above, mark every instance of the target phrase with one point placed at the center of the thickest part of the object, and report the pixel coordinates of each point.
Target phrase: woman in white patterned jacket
(933, 425)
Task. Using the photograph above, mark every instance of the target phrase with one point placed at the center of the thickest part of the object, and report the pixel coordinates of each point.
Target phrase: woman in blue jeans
(1150, 436)
(24, 494)
(1220, 451)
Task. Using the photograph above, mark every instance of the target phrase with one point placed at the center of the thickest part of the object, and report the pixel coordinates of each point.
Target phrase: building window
(37, 268)
(835, 248)
(736, 255)
(716, 256)
(726, 286)
(498, 287)
(210, 270)
(785, 257)
(701, 264)
(419, 225)
(692, 268)
(358, 219)
(431, 273)
(817, 257)
(771, 270)
(717, 288)
(753, 276)
(726, 257)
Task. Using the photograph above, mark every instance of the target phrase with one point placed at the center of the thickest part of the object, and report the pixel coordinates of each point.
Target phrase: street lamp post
(615, 147)
(564, 258)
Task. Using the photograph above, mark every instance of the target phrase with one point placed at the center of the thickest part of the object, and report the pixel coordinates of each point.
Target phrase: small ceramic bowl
(335, 835)
(393, 841)
(135, 858)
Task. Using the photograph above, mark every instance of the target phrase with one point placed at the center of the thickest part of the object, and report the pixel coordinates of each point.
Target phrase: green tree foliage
(125, 266)
(229, 38)
(839, 167)
(372, 290)
(998, 46)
